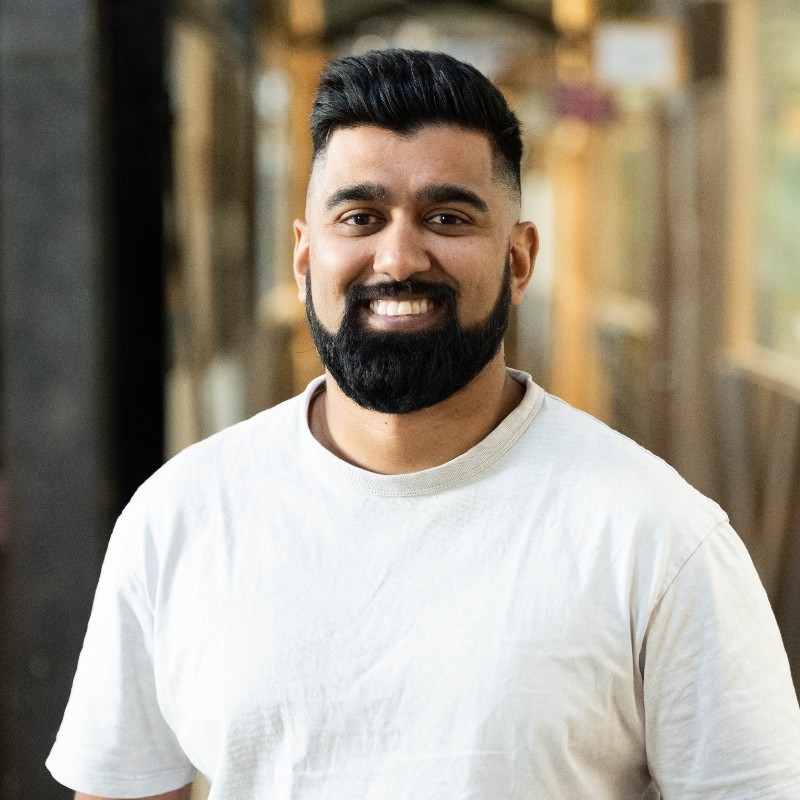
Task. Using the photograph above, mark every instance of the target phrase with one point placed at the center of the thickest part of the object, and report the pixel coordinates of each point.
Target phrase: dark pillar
(53, 373)
(83, 133)
(133, 33)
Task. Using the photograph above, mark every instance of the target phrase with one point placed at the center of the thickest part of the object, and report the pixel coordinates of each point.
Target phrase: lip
(385, 313)
(373, 301)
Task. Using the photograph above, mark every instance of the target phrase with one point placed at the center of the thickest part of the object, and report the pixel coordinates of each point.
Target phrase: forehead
(435, 154)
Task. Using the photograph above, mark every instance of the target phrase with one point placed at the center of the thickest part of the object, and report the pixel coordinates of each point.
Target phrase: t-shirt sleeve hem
(109, 785)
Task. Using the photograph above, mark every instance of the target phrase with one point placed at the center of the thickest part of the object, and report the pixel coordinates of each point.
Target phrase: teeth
(393, 308)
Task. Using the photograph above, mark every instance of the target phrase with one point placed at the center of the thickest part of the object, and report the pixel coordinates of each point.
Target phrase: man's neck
(393, 444)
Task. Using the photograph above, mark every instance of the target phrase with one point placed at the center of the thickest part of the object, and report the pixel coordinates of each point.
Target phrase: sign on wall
(640, 55)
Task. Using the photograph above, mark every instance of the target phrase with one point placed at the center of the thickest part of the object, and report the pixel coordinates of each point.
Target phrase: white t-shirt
(553, 614)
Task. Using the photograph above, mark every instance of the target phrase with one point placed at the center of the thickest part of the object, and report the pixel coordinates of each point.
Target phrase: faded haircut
(406, 90)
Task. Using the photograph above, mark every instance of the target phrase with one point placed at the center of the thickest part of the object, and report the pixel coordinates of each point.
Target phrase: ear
(524, 247)
(301, 258)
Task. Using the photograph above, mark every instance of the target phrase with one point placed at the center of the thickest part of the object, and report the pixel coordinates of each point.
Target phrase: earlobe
(300, 260)
(524, 247)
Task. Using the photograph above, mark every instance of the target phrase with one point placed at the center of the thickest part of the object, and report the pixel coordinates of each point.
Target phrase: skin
(377, 211)
(178, 794)
(430, 206)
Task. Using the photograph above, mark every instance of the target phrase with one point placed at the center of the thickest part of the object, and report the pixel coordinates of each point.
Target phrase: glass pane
(779, 189)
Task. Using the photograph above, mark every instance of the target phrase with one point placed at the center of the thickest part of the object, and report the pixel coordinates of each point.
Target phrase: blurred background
(153, 155)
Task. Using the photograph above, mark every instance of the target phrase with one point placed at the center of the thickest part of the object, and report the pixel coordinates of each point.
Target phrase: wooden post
(571, 331)
(742, 69)
(306, 60)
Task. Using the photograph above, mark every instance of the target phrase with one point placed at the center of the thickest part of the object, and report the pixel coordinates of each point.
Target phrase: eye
(359, 219)
(445, 218)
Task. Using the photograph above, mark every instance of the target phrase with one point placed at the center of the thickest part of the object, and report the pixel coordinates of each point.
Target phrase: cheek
(478, 293)
(337, 262)
(327, 291)
(476, 305)
(328, 313)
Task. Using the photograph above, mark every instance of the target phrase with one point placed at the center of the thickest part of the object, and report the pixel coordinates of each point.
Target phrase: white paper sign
(644, 55)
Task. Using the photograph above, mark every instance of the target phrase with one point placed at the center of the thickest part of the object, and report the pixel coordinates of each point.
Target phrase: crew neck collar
(436, 479)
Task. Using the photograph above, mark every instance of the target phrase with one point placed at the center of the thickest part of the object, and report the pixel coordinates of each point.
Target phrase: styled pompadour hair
(405, 90)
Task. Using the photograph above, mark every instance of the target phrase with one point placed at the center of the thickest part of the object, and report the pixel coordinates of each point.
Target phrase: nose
(399, 251)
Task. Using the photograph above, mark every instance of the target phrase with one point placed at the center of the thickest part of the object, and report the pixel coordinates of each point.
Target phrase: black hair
(405, 90)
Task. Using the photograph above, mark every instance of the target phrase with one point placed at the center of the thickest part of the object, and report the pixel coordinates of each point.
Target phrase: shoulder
(603, 464)
(256, 443)
(613, 505)
(203, 496)
(193, 488)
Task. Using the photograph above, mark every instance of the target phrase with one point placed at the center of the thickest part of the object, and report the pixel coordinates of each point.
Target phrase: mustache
(432, 291)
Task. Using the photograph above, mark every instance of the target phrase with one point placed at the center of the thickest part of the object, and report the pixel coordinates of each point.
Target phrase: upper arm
(178, 794)
(114, 740)
(722, 719)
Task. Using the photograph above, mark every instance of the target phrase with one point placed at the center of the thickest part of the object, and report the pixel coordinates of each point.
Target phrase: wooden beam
(780, 492)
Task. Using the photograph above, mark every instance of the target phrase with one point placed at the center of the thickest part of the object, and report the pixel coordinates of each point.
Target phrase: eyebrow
(358, 193)
(428, 195)
(450, 193)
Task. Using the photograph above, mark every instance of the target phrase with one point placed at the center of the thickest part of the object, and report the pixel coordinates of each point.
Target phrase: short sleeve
(114, 740)
(721, 714)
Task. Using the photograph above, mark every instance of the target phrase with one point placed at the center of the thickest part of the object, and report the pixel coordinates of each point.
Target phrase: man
(425, 578)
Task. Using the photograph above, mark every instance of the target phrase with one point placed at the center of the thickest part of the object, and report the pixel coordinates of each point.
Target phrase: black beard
(400, 372)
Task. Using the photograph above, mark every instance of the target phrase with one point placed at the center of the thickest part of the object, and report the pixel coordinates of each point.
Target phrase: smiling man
(425, 578)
